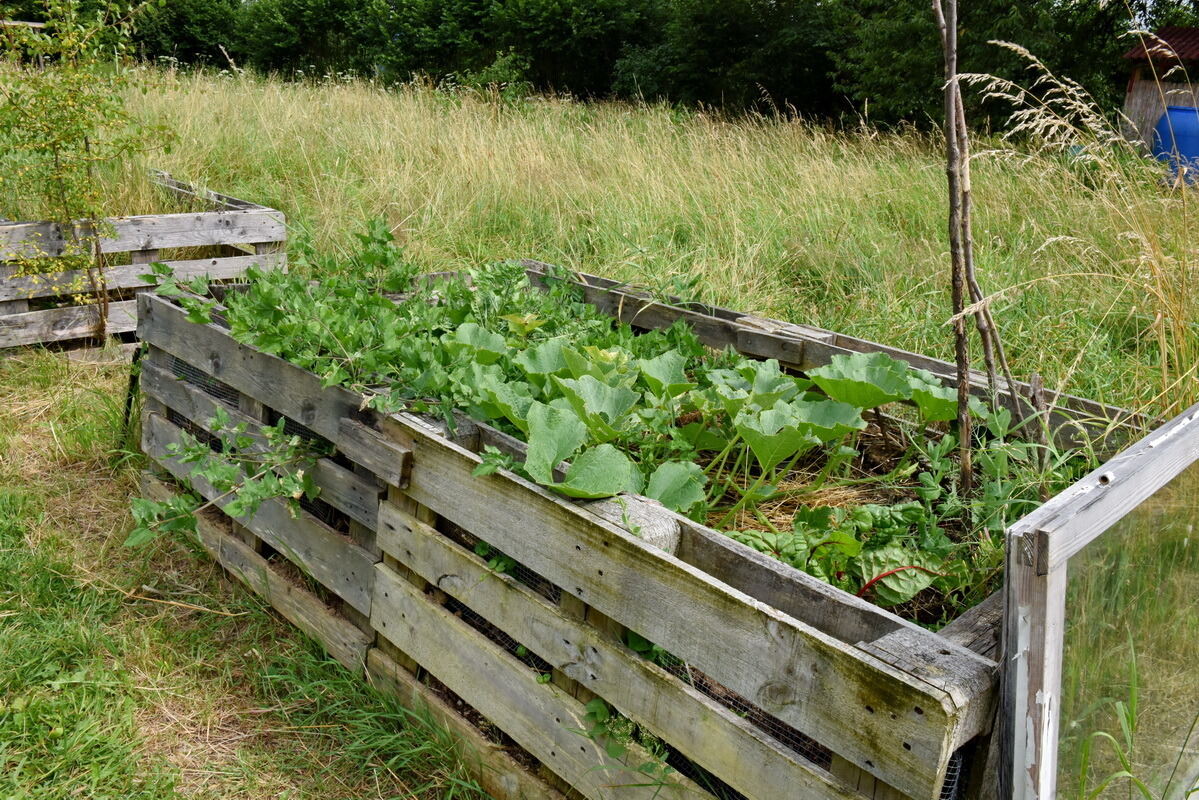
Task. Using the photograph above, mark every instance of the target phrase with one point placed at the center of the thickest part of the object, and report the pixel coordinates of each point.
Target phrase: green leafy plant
(62, 122)
(604, 410)
(243, 468)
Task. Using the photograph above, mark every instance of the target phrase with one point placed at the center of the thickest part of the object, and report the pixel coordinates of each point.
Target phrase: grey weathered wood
(331, 558)
(1073, 518)
(539, 717)
(978, 628)
(291, 391)
(784, 672)
(61, 324)
(1034, 627)
(354, 495)
(148, 231)
(184, 189)
(128, 276)
(337, 635)
(391, 462)
(497, 772)
(723, 742)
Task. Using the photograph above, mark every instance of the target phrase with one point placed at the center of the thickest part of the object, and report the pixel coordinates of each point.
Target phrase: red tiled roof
(1183, 41)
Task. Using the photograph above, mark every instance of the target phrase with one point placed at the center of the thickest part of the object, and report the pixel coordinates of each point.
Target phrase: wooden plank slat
(149, 231)
(127, 276)
(165, 180)
(898, 726)
(540, 717)
(979, 628)
(711, 735)
(1073, 518)
(331, 558)
(496, 771)
(337, 635)
(356, 496)
(291, 391)
(62, 324)
(390, 461)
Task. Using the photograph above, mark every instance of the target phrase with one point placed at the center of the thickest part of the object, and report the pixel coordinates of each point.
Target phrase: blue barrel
(1176, 140)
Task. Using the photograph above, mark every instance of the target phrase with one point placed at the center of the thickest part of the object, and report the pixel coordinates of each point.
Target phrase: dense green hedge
(875, 58)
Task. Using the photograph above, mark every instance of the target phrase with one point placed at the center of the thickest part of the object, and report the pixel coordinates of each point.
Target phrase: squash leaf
(472, 340)
(678, 485)
(601, 471)
(554, 435)
(864, 380)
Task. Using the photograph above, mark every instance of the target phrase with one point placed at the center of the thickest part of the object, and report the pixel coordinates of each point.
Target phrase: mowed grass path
(143, 674)
(840, 230)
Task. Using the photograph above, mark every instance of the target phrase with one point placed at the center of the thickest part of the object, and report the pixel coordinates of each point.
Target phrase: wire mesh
(201, 435)
(518, 571)
(954, 787)
(204, 382)
(798, 742)
(333, 517)
(497, 636)
(293, 428)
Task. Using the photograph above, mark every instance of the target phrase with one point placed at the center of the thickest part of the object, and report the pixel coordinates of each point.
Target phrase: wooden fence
(770, 683)
(41, 305)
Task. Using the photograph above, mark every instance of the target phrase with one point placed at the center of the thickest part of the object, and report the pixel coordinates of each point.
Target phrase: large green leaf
(678, 485)
(774, 435)
(600, 406)
(554, 435)
(542, 360)
(827, 420)
(601, 471)
(768, 383)
(907, 573)
(499, 398)
(471, 340)
(665, 375)
(864, 380)
(937, 403)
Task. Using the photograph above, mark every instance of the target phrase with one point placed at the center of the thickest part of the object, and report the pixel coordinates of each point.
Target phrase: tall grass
(1130, 711)
(842, 230)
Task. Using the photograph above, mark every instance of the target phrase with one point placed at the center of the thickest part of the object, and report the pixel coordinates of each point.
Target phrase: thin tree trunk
(947, 22)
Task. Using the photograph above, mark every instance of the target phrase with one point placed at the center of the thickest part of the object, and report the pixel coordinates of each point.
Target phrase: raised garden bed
(48, 296)
(766, 682)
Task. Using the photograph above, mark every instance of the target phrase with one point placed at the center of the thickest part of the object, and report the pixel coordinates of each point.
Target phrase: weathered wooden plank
(186, 189)
(355, 495)
(711, 735)
(539, 717)
(978, 629)
(331, 558)
(1034, 626)
(390, 461)
(341, 640)
(497, 772)
(127, 276)
(148, 231)
(898, 726)
(291, 391)
(1073, 518)
(61, 324)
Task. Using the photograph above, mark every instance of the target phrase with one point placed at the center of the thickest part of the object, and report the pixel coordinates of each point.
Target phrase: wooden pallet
(780, 686)
(42, 307)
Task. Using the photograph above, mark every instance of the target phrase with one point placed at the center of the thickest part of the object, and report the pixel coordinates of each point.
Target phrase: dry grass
(844, 230)
(211, 702)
